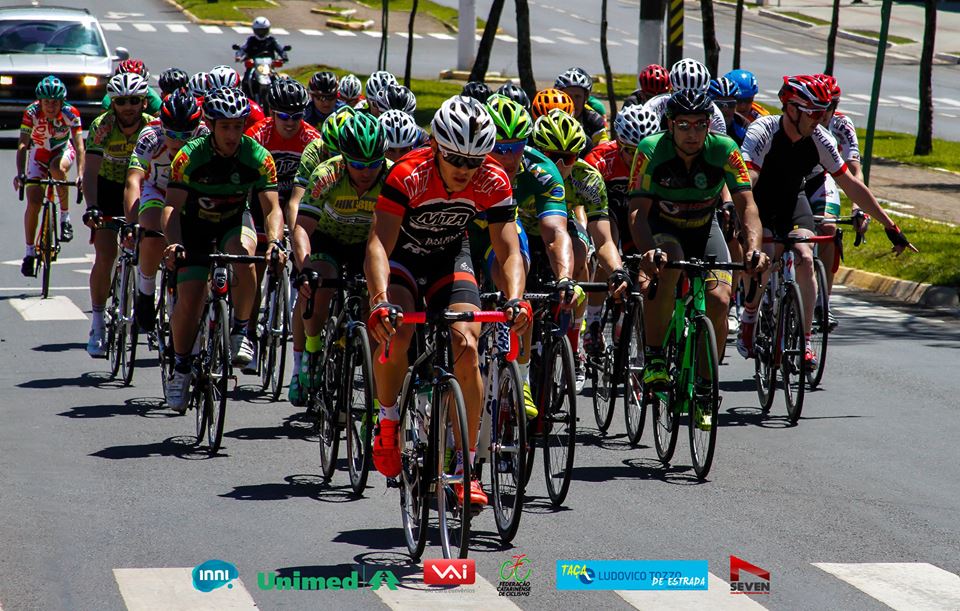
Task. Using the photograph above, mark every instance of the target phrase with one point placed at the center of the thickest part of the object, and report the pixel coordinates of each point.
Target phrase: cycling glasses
(134, 100)
(725, 103)
(364, 165)
(685, 126)
(179, 136)
(462, 161)
(289, 116)
(813, 113)
(510, 148)
(323, 97)
(564, 158)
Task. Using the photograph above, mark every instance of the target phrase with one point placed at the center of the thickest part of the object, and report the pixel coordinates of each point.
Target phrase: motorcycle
(260, 74)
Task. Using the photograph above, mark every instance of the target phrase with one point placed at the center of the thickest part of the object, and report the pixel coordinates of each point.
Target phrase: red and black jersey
(286, 152)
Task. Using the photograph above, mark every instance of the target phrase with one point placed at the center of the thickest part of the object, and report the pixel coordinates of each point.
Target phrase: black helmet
(287, 95)
(173, 79)
(180, 112)
(323, 82)
(689, 102)
(515, 93)
(477, 90)
(396, 97)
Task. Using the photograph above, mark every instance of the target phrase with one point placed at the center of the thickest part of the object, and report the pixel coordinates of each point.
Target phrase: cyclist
(50, 140)
(652, 81)
(260, 44)
(110, 143)
(780, 152)
(747, 108)
(349, 90)
(377, 82)
(687, 74)
(676, 186)
(210, 179)
(197, 86)
(724, 93)
(171, 80)
(225, 76)
(323, 89)
(146, 184)
(402, 134)
(478, 90)
(395, 97)
(576, 83)
(417, 252)
(515, 93)
(546, 100)
(136, 66)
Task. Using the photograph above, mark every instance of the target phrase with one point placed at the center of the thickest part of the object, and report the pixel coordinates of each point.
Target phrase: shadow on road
(293, 426)
(294, 486)
(373, 538)
(180, 447)
(635, 468)
(146, 407)
(90, 379)
(59, 347)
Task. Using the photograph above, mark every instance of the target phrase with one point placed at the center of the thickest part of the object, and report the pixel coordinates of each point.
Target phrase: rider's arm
(607, 252)
(580, 213)
(750, 220)
(174, 203)
(131, 193)
(292, 209)
(376, 267)
(23, 145)
(861, 195)
(506, 246)
(553, 231)
(639, 211)
(90, 171)
(272, 214)
(78, 145)
(301, 240)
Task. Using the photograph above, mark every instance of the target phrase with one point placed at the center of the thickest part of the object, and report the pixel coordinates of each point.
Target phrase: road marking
(632, 41)
(542, 40)
(144, 27)
(842, 54)
(717, 596)
(414, 594)
(947, 101)
(506, 38)
(562, 31)
(280, 31)
(571, 40)
(906, 99)
(801, 51)
(864, 54)
(407, 35)
(440, 36)
(947, 114)
(858, 96)
(852, 113)
(242, 29)
(768, 50)
(343, 33)
(694, 43)
(211, 29)
(177, 28)
(58, 307)
(907, 585)
(868, 311)
(60, 261)
(144, 589)
(610, 42)
(310, 32)
(30, 289)
(373, 33)
(110, 27)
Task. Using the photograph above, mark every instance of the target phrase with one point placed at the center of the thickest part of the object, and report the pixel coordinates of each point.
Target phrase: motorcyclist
(261, 44)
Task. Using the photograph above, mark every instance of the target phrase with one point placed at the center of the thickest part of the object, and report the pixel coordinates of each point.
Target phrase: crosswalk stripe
(864, 54)
(770, 50)
(407, 35)
(571, 40)
(611, 43)
(542, 40)
(441, 36)
(58, 307)
(343, 33)
(801, 51)
(909, 585)
(632, 41)
(242, 29)
(694, 43)
(144, 27)
(717, 596)
(947, 101)
(852, 113)
(373, 33)
(177, 28)
(414, 595)
(858, 96)
(110, 26)
(506, 38)
(280, 31)
(906, 99)
(211, 29)
(172, 588)
(310, 32)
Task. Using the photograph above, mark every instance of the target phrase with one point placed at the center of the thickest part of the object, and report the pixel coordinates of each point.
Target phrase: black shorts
(339, 255)
(786, 217)
(110, 198)
(198, 236)
(438, 280)
(621, 218)
(701, 243)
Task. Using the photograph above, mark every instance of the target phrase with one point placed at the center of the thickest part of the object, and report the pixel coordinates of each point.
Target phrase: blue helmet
(746, 81)
(724, 88)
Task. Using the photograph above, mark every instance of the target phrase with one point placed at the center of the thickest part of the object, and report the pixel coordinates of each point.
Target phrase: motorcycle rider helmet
(261, 28)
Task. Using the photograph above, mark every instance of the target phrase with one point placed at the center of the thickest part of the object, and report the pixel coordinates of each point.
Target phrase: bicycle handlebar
(50, 182)
(699, 265)
(791, 241)
(483, 316)
(852, 220)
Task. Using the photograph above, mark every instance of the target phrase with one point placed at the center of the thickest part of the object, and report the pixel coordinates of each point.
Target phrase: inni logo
(738, 586)
(213, 574)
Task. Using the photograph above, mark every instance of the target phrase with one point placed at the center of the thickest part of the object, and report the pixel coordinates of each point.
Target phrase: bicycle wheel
(666, 418)
(820, 330)
(414, 487)
(560, 419)
(330, 404)
(116, 339)
(765, 349)
(279, 334)
(454, 519)
(48, 237)
(792, 361)
(507, 454)
(702, 420)
(162, 331)
(128, 325)
(219, 375)
(358, 396)
(631, 364)
(198, 388)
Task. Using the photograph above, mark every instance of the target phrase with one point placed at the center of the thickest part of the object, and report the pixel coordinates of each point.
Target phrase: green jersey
(313, 154)
(538, 191)
(106, 140)
(585, 187)
(332, 201)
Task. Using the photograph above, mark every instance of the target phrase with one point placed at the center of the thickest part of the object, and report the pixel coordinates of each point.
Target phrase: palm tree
(711, 47)
(524, 60)
(832, 37)
(924, 144)
(607, 72)
(482, 61)
(737, 31)
(413, 17)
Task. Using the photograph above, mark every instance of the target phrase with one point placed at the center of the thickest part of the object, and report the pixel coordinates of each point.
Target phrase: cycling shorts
(701, 242)
(39, 160)
(110, 198)
(437, 282)
(151, 197)
(339, 255)
(781, 221)
(198, 236)
(822, 195)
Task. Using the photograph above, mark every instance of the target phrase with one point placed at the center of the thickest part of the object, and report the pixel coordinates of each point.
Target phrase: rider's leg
(31, 217)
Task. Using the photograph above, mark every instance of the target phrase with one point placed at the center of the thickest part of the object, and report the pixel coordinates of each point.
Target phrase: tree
(607, 72)
(924, 144)
(832, 37)
(384, 30)
(737, 34)
(711, 47)
(524, 59)
(413, 18)
(482, 62)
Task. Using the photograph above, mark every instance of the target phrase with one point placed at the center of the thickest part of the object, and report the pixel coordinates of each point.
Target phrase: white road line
(343, 33)
(31, 289)
(110, 27)
(506, 38)
(542, 40)
(242, 29)
(769, 50)
(177, 28)
(211, 29)
(60, 261)
(696, 44)
(909, 585)
(858, 96)
(172, 588)
(906, 99)
(414, 595)
(144, 27)
(58, 307)
(441, 36)
(852, 113)
(571, 40)
(901, 57)
(947, 114)
(373, 33)
(717, 596)
(853, 307)
(280, 31)
(842, 54)
(406, 35)
(864, 54)
(562, 31)
(801, 51)
(610, 42)
(947, 101)
(632, 41)
(310, 32)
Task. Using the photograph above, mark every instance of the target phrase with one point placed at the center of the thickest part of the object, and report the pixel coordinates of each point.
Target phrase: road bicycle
(48, 240)
(273, 329)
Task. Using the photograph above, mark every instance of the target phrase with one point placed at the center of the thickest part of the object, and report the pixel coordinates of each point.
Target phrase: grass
(898, 147)
(807, 18)
(897, 40)
(224, 10)
(439, 12)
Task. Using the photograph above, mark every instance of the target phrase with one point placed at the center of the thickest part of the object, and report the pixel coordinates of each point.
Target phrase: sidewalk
(924, 193)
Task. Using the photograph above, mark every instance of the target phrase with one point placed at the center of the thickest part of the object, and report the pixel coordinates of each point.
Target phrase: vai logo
(453, 571)
(213, 574)
(737, 586)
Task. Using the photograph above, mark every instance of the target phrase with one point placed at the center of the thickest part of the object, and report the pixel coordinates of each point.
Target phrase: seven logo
(748, 587)
(454, 571)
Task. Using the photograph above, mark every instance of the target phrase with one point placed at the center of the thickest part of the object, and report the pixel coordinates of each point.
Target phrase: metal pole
(675, 32)
(650, 51)
(466, 38)
(875, 95)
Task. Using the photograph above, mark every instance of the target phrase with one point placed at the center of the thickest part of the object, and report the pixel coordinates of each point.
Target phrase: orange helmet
(548, 99)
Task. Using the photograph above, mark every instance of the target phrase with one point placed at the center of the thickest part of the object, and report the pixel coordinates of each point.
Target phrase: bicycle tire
(820, 330)
(280, 341)
(453, 520)
(359, 404)
(219, 376)
(703, 441)
(666, 420)
(414, 487)
(792, 361)
(631, 364)
(559, 448)
(266, 355)
(507, 456)
(330, 405)
(115, 339)
(603, 379)
(162, 334)
(765, 347)
(129, 323)
(198, 387)
(47, 247)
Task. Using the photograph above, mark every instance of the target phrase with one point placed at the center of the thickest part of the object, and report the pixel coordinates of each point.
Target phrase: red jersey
(286, 151)
(256, 114)
(605, 157)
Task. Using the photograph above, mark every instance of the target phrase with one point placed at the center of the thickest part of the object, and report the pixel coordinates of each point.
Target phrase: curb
(775, 15)
(193, 18)
(867, 40)
(953, 58)
(906, 291)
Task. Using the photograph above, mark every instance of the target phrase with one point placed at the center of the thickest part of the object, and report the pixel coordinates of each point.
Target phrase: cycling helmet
(362, 138)
(805, 91)
(400, 129)
(634, 123)
(462, 125)
(689, 74)
(515, 93)
(377, 82)
(724, 88)
(173, 79)
(574, 77)
(548, 99)
(134, 66)
(746, 81)
(323, 82)
(222, 76)
(349, 88)
(396, 97)
(287, 95)
(477, 90)
(654, 80)
(512, 120)
(51, 88)
(197, 85)
(180, 112)
(126, 85)
(330, 129)
(831, 82)
(689, 102)
(558, 132)
(261, 27)
(225, 103)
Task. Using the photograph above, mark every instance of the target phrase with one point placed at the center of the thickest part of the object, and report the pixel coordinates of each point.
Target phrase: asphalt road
(105, 505)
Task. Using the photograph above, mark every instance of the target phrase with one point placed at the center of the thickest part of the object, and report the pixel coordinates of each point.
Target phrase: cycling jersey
(286, 152)
(658, 105)
(846, 135)
(616, 175)
(537, 190)
(315, 118)
(262, 47)
(106, 140)
(633, 99)
(256, 114)
(737, 129)
(50, 134)
(756, 111)
(595, 126)
(152, 157)
(585, 187)
(154, 102)
(313, 154)
(332, 201)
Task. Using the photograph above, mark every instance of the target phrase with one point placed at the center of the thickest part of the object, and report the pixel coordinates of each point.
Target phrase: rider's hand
(306, 282)
(80, 183)
(281, 252)
(173, 253)
(652, 262)
(17, 182)
(129, 240)
(618, 283)
(861, 221)
(384, 320)
(92, 217)
(519, 313)
(569, 293)
(899, 240)
(757, 262)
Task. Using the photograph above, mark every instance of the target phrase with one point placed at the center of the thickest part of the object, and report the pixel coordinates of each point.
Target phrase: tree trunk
(482, 61)
(524, 59)
(737, 34)
(384, 30)
(413, 18)
(924, 144)
(607, 72)
(832, 37)
(711, 47)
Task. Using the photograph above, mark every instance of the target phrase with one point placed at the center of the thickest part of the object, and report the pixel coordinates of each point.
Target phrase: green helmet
(512, 120)
(51, 88)
(330, 130)
(363, 138)
(558, 132)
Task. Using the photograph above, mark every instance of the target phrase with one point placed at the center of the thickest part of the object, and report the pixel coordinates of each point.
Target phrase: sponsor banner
(632, 574)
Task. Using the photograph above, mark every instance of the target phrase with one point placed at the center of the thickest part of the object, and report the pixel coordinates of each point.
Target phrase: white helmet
(261, 27)
(222, 76)
(634, 123)
(126, 85)
(350, 87)
(402, 130)
(689, 74)
(377, 82)
(463, 126)
(574, 77)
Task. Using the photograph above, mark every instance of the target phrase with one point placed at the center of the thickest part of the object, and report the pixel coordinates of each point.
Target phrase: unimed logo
(739, 586)
(454, 571)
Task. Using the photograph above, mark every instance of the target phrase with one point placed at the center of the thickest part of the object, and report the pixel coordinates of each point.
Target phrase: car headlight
(90, 81)
(6, 80)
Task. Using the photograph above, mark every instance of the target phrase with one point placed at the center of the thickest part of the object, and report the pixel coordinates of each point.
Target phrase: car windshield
(50, 37)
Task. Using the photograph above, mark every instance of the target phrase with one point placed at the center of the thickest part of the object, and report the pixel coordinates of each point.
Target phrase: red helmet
(805, 91)
(654, 80)
(134, 66)
(831, 82)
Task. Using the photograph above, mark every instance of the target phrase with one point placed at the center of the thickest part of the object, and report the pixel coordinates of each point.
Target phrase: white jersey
(842, 129)
(658, 105)
(152, 157)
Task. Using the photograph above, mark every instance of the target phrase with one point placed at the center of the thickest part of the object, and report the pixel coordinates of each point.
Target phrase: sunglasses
(510, 148)
(178, 136)
(129, 101)
(289, 116)
(324, 97)
(813, 113)
(564, 158)
(725, 103)
(685, 126)
(364, 165)
(462, 161)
